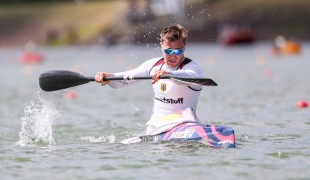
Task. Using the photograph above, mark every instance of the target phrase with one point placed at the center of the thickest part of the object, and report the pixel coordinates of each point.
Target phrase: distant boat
(286, 47)
(235, 33)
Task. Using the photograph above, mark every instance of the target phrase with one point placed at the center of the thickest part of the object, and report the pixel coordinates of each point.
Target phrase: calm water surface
(47, 135)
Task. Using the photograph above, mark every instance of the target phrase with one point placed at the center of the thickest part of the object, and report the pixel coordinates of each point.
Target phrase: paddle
(61, 79)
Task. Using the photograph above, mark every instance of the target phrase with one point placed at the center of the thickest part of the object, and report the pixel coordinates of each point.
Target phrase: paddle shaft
(113, 78)
(62, 79)
(195, 81)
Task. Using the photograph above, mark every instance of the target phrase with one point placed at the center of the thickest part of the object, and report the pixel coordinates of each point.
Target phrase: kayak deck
(211, 135)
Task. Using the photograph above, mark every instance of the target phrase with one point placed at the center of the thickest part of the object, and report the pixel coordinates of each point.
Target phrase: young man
(170, 97)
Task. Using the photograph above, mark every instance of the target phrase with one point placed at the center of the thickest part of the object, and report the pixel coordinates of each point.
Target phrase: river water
(50, 136)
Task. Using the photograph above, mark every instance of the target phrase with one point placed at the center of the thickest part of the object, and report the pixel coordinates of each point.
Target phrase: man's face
(173, 60)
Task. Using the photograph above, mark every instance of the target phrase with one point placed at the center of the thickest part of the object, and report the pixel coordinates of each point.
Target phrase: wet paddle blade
(61, 79)
(195, 81)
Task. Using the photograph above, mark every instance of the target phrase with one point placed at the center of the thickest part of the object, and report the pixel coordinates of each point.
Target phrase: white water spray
(92, 139)
(38, 119)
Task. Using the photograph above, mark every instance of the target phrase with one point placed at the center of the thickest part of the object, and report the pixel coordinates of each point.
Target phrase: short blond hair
(173, 33)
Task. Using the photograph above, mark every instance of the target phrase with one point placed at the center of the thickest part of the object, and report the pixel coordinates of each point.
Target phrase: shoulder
(191, 67)
(148, 65)
(188, 63)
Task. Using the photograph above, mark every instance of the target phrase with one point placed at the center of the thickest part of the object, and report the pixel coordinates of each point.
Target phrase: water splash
(243, 138)
(100, 139)
(134, 109)
(38, 119)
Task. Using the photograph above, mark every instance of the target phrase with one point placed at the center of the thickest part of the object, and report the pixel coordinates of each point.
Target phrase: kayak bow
(211, 135)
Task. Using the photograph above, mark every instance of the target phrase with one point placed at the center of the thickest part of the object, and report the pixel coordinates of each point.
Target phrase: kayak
(181, 126)
(211, 135)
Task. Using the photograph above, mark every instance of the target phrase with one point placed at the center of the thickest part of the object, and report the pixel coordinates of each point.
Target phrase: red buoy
(301, 104)
(30, 55)
(30, 58)
(70, 95)
(269, 73)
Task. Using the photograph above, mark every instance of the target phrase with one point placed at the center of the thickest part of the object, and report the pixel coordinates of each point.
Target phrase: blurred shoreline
(115, 22)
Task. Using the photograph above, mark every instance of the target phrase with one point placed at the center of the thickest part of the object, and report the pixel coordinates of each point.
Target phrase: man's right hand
(99, 78)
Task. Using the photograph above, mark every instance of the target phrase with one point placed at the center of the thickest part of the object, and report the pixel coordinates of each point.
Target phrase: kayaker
(170, 97)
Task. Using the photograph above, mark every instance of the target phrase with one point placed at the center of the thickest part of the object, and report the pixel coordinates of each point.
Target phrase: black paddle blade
(61, 79)
(205, 82)
(200, 81)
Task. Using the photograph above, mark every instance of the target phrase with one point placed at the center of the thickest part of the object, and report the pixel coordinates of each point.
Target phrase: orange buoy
(291, 47)
(301, 104)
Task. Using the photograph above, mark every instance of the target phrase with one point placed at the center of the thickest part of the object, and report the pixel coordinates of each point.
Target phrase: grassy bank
(61, 23)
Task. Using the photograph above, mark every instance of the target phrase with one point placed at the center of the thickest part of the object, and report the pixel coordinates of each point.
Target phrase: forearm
(126, 83)
(122, 83)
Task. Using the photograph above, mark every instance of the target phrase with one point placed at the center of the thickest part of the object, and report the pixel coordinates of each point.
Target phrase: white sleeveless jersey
(169, 95)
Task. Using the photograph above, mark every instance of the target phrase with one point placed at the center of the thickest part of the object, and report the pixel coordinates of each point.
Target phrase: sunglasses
(175, 51)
